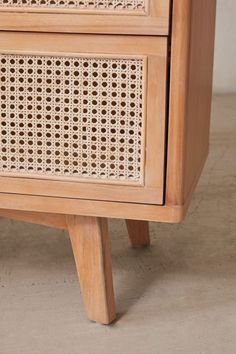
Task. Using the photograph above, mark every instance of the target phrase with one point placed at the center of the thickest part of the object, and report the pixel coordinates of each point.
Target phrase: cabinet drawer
(83, 116)
(86, 16)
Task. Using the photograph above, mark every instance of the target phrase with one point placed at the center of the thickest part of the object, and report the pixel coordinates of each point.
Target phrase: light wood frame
(154, 50)
(191, 72)
(154, 21)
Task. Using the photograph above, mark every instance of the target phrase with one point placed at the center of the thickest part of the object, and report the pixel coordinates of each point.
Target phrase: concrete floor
(179, 296)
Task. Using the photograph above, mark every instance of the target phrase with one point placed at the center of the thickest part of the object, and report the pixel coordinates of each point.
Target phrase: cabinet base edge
(50, 210)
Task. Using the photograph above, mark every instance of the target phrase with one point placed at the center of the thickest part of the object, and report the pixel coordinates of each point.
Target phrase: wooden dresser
(105, 111)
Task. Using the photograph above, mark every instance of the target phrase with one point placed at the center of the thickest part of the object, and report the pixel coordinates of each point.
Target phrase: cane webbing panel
(112, 5)
(72, 116)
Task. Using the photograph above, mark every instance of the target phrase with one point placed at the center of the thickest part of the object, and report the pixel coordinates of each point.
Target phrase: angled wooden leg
(90, 243)
(138, 233)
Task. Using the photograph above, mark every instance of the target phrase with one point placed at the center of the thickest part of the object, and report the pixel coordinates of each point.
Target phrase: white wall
(225, 52)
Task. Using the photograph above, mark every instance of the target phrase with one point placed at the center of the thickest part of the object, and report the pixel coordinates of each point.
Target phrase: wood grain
(198, 111)
(52, 220)
(90, 243)
(70, 206)
(192, 49)
(154, 22)
(138, 233)
(181, 20)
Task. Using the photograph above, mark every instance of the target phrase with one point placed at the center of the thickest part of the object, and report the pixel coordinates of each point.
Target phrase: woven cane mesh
(79, 117)
(122, 5)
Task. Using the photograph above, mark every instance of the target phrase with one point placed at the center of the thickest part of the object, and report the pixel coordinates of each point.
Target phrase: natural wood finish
(192, 48)
(166, 213)
(80, 190)
(138, 233)
(118, 46)
(90, 243)
(200, 88)
(181, 13)
(52, 220)
(169, 181)
(93, 207)
(154, 22)
(152, 48)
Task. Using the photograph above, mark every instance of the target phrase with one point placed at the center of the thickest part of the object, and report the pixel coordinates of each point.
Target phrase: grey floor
(179, 296)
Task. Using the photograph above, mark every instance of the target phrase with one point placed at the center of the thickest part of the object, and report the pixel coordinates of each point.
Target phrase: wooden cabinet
(105, 111)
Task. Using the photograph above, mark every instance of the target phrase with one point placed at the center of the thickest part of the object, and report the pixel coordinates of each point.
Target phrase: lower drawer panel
(76, 114)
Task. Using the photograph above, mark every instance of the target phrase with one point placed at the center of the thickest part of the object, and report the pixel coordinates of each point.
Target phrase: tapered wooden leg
(138, 233)
(90, 243)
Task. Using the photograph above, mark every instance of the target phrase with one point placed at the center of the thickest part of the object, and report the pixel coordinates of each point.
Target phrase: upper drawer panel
(150, 17)
(132, 6)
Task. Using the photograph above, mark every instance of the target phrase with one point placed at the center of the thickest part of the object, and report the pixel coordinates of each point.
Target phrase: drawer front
(130, 6)
(83, 119)
(86, 16)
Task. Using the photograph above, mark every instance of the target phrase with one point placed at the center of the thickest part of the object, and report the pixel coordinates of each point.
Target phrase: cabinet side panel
(200, 91)
(193, 32)
(179, 68)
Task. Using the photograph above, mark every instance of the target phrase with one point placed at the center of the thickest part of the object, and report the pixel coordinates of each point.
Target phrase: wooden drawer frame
(153, 21)
(154, 51)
